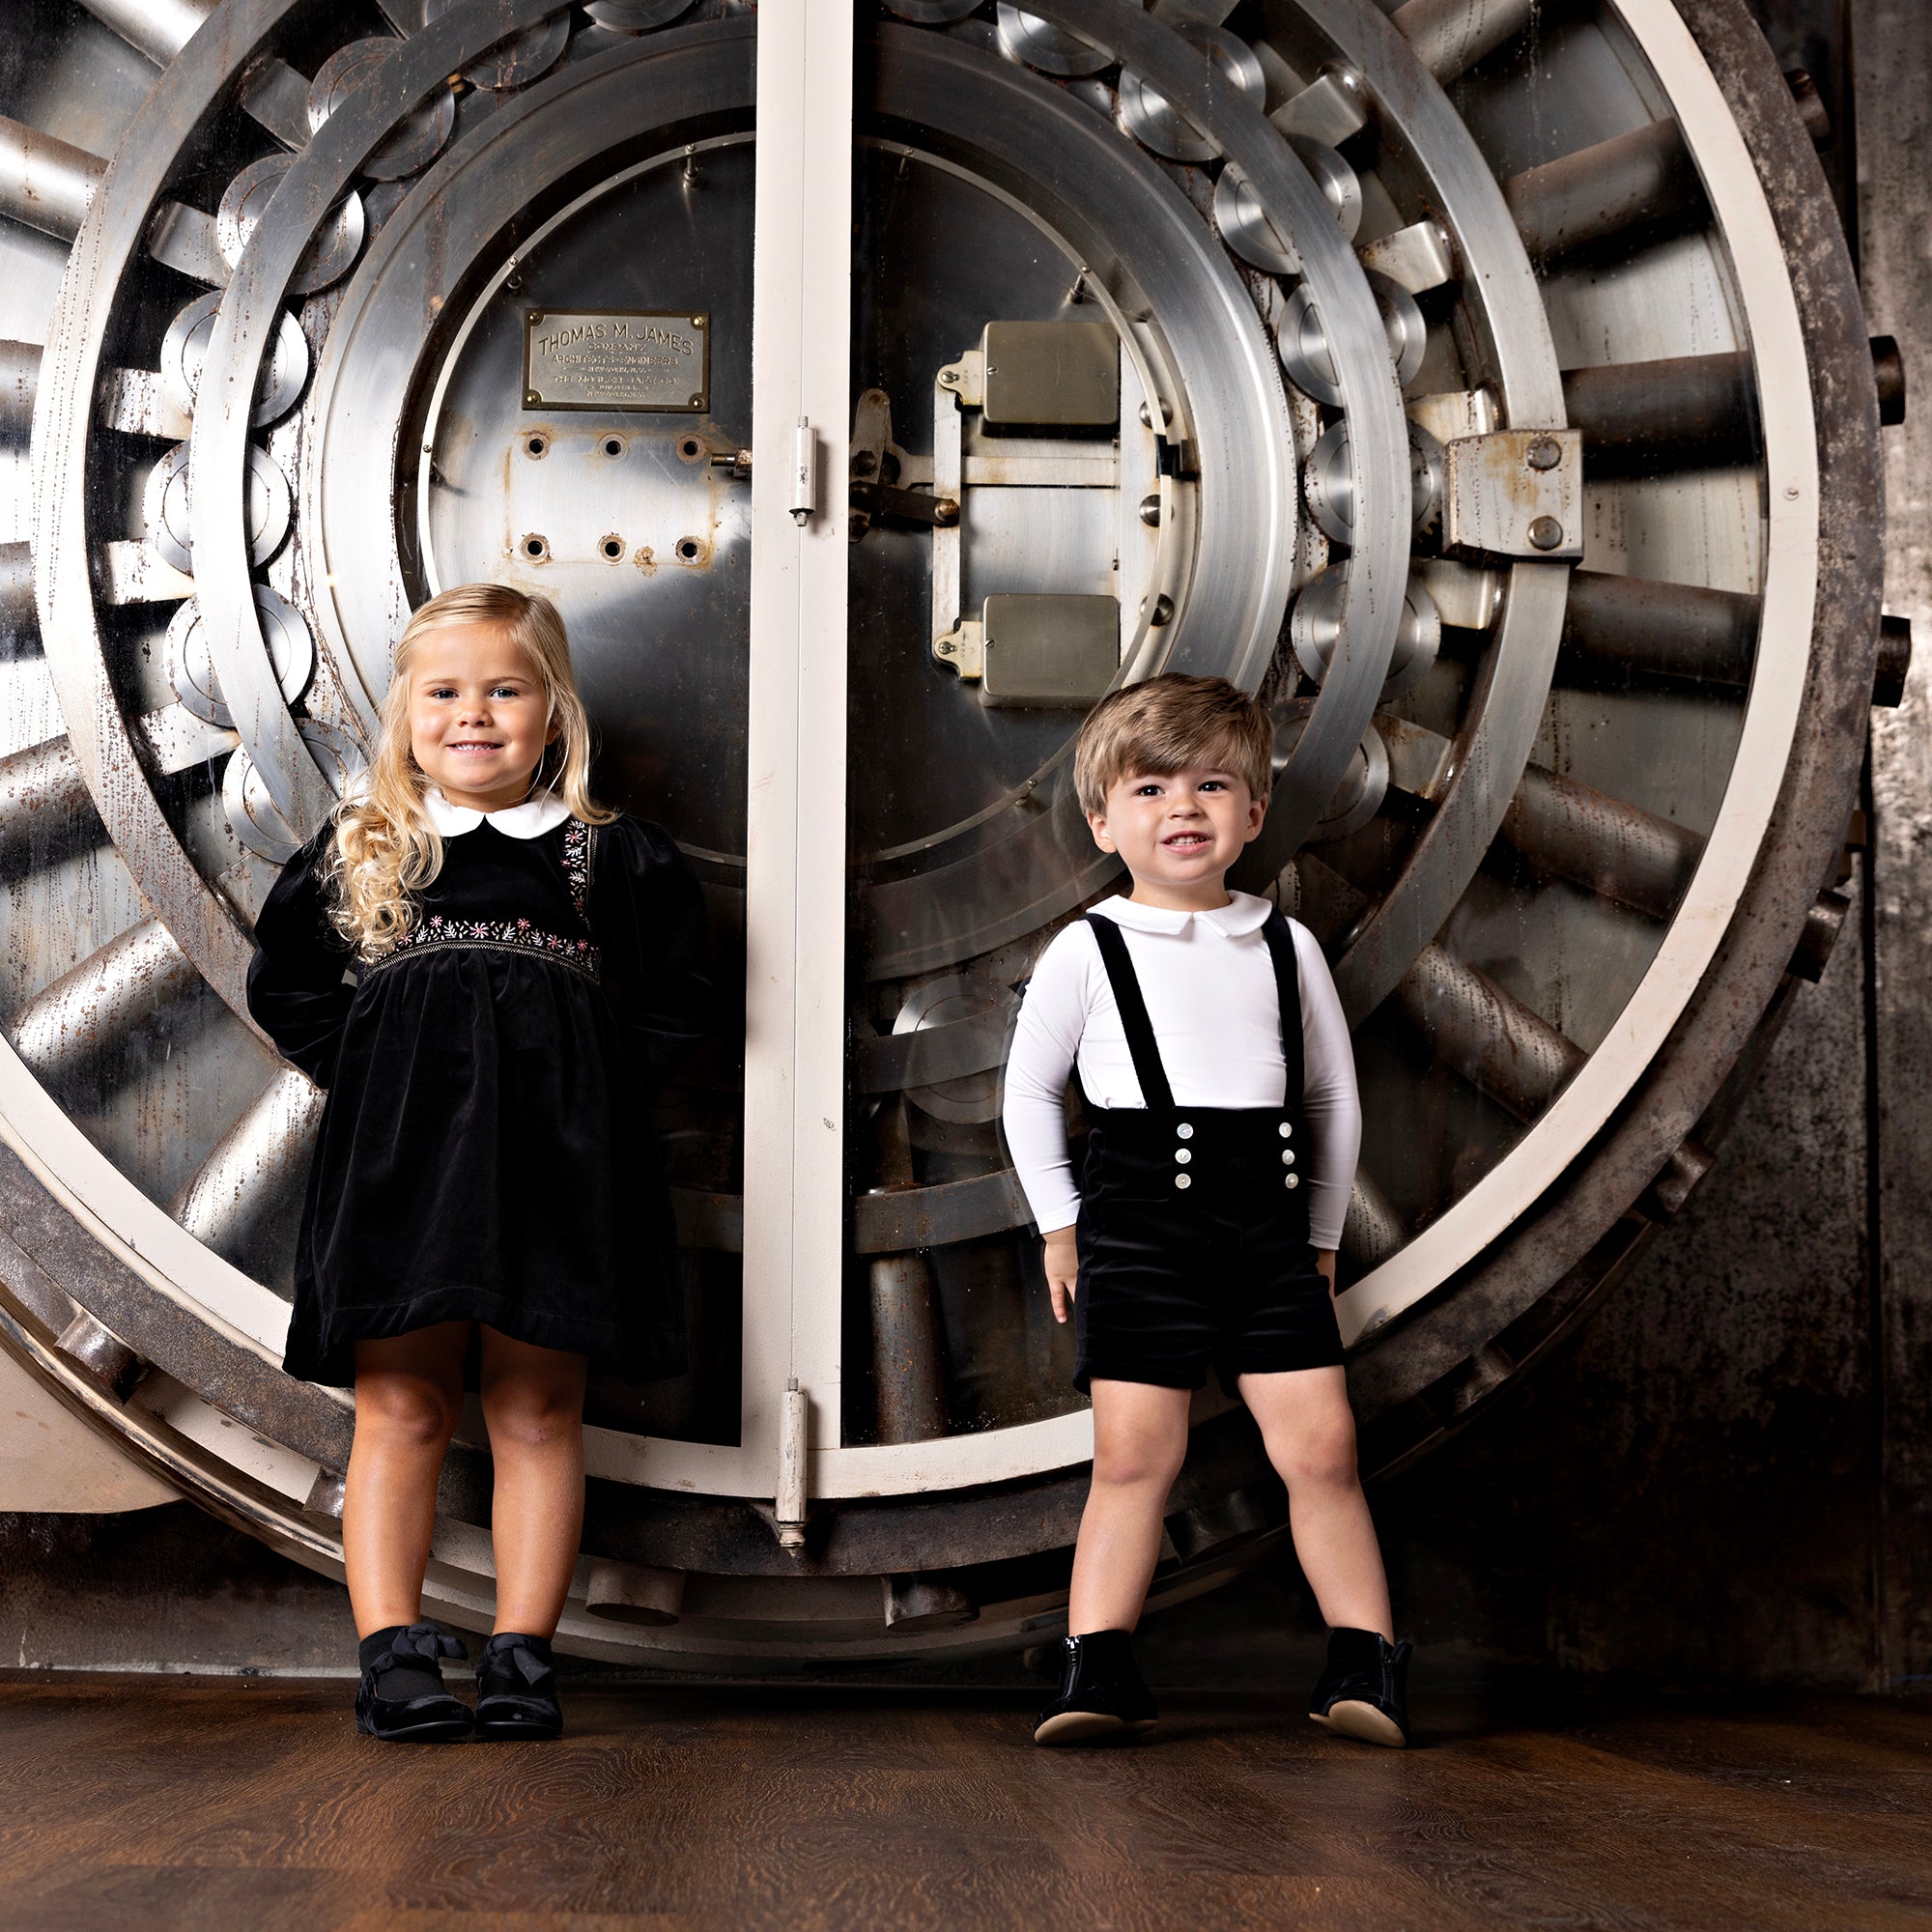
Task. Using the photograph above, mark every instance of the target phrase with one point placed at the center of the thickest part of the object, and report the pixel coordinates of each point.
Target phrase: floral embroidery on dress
(519, 935)
(577, 864)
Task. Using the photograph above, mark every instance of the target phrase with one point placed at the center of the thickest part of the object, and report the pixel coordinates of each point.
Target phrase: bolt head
(1545, 454)
(1151, 512)
(1545, 533)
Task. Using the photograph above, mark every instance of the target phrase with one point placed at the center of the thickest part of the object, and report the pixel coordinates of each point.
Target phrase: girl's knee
(531, 1418)
(405, 1409)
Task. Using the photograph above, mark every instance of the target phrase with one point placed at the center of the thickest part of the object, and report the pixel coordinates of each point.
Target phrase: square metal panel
(1064, 375)
(1047, 651)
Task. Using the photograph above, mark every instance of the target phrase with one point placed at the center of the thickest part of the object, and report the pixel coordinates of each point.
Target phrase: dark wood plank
(218, 1803)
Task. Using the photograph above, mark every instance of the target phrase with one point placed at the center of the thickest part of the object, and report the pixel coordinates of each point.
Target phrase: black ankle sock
(413, 1677)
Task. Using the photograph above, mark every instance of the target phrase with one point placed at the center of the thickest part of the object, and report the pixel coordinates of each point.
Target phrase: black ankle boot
(401, 1698)
(516, 1688)
(1101, 1695)
(1364, 1691)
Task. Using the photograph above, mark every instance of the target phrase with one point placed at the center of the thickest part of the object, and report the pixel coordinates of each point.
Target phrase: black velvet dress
(486, 1152)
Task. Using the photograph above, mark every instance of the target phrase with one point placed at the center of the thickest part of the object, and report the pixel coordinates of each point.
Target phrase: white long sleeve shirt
(1208, 981)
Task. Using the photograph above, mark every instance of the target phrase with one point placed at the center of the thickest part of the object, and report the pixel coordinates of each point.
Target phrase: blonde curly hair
(385, 849)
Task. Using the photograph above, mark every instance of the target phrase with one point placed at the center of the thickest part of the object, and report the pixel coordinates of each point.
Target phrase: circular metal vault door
(1523, 474)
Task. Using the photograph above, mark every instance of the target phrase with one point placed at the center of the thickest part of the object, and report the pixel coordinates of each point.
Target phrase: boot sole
(1353, 1718)
(1089, 1728)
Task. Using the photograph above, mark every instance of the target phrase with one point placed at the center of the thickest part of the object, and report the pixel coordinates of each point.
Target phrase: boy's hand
(1062, 1271)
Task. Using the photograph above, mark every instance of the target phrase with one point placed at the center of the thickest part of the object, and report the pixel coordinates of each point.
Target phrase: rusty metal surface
(1397, 1363)
(1616, 626)
(908, 1360)
(1893, 39)
(44, 809)
(46, 181)
(1493, 1042)
(1688, 411)
(1636, 181)
(1570, 831)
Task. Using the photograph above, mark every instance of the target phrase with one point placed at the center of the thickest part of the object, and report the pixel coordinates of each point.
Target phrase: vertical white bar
(795, 876)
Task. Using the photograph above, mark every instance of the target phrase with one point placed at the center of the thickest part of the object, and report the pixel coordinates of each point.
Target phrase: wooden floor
(237, 1805)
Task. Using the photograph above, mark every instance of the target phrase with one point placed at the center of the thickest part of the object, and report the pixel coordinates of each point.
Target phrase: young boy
(1214, 1062)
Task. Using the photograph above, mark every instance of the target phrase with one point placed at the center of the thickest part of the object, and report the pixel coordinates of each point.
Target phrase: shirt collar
(530, 820)
(1245, 913)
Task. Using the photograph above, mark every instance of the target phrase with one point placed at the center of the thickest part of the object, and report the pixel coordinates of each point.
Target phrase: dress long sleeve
(647, 912)
(297, 991)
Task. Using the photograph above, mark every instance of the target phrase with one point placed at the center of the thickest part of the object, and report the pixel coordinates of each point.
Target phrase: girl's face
(478, 716)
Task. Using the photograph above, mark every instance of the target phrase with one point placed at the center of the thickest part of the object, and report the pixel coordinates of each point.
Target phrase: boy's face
(1178, 832)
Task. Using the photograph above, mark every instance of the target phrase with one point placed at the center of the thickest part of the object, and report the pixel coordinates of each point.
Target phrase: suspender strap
(1288, 991)
(1155, 1092)
(1139, 1029)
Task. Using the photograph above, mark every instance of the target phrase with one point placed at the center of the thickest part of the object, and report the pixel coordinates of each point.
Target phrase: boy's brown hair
(1166, 725)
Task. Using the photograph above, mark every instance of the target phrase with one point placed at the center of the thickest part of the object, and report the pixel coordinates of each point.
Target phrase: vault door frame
(794, 1189)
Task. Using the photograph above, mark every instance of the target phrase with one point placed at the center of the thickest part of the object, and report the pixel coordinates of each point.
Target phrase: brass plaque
(617, 359)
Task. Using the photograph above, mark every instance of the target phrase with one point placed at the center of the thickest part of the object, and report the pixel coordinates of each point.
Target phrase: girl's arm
(647, 912)
(1329, 1101)
(297, 991)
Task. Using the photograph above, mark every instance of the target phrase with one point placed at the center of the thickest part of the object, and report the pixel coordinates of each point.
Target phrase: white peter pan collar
(530, 820)
(1245, 913)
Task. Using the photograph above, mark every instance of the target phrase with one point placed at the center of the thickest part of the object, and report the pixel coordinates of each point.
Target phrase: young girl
(489, 974)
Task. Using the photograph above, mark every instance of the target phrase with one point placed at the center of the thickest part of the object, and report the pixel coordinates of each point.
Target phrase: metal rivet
(1545, 533)
(1184, 1132)
(1545, 454)
(1182, 1157)
(1186, 1181)
(1151, 511)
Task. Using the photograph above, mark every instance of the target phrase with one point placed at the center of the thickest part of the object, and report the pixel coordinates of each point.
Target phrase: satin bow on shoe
(421, 1644)
(517, 1688)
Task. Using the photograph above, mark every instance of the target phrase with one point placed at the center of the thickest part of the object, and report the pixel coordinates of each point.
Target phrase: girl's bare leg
(1140, 1440)
(1310, 1431)
(533, 1405)
(409, 1395)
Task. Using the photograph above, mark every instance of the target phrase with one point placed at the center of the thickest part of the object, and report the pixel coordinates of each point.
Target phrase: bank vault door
(874, 388)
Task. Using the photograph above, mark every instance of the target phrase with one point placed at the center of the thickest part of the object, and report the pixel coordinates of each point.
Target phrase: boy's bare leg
(1140, 1440)
(533, 1407)
(409, 1395)
(1310, 1431)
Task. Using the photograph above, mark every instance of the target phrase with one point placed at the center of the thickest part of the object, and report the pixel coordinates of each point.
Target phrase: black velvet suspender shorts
(1193, 1231)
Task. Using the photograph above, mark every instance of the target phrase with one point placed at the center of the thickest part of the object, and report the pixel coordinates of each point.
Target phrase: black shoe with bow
(1101, 1695)
(1364, 1691)
(401, 1698)
(516, 1688)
